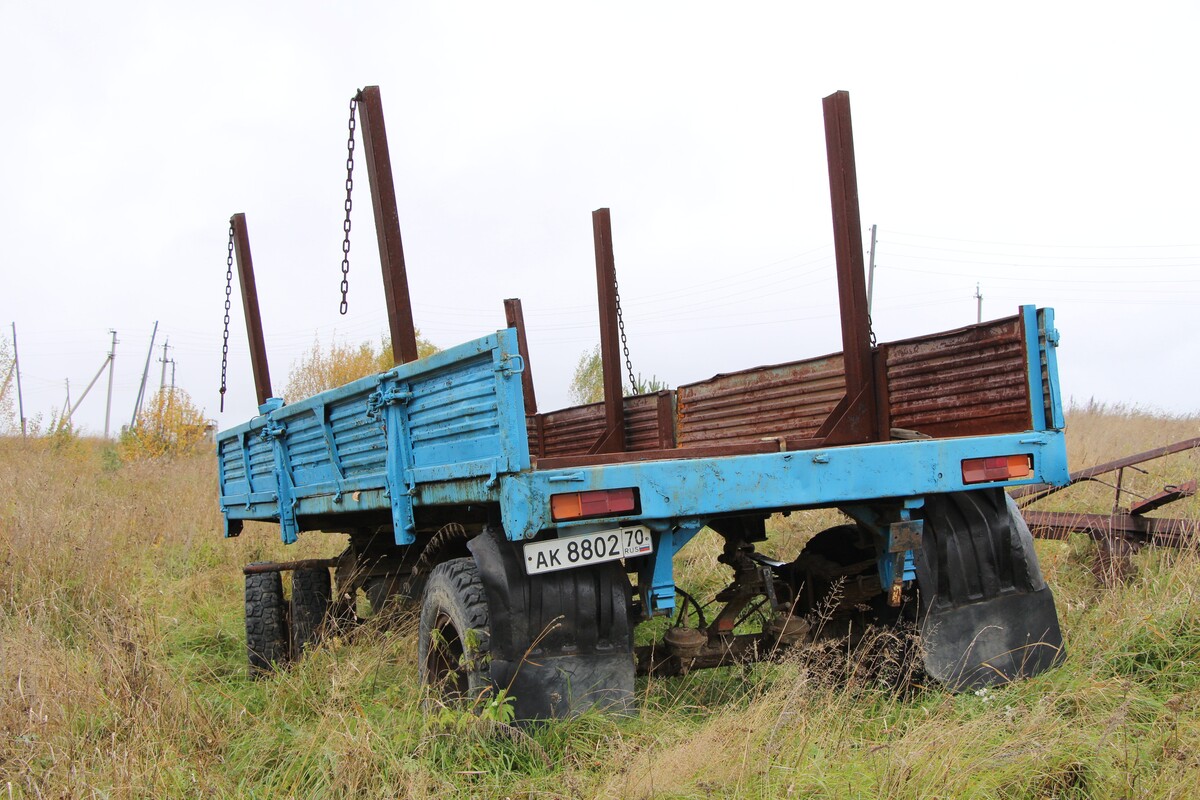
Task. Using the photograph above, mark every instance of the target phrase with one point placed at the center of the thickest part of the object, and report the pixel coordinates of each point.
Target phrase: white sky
(1046, 151)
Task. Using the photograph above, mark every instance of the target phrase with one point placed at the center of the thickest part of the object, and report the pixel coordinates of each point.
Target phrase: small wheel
(454, 637)
(266, 623)
(311, 599)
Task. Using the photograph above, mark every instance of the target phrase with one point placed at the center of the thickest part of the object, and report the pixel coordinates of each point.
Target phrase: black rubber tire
(454, 636)
(266, 623)
(311, 598)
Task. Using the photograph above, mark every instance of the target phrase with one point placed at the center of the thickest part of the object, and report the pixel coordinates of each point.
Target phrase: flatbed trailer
(518, 532)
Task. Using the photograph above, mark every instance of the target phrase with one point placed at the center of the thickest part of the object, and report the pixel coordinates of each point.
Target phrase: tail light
(996, 468)
(585, 505)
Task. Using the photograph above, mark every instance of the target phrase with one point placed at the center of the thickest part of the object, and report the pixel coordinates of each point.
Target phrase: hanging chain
(871, 329)
(349, 204)
(633, 384)
(228, 294)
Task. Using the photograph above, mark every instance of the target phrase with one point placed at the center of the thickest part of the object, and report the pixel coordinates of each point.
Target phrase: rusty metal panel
(573, 431)
(967, 382)
(782, 401)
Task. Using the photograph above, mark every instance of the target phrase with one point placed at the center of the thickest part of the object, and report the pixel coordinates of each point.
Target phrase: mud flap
(987, 615)
(561, 642)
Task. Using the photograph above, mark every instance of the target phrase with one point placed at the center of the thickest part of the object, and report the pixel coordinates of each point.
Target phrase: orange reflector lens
(582, 505)
(996, 468)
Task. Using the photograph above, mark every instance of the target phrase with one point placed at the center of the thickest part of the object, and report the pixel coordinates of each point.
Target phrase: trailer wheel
(454, 637)
(266, 623)
(311, 598)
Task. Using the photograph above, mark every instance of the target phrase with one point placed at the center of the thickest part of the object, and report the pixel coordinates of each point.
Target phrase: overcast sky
(1044, 151)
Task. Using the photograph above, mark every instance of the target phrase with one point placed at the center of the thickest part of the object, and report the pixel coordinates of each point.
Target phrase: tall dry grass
(122, 672)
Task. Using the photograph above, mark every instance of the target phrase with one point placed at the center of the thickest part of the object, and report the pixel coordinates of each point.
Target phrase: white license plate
(587, 548)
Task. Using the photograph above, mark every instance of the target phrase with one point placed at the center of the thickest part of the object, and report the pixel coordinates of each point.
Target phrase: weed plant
(123, 671)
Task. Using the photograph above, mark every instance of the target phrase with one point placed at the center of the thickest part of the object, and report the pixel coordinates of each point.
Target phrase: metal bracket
(510, 364)
(382, 398)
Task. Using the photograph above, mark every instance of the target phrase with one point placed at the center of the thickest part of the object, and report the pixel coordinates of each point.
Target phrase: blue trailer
(533, 543)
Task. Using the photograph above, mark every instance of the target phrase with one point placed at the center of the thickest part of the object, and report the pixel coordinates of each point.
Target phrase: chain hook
(228, 295)
(352, 124)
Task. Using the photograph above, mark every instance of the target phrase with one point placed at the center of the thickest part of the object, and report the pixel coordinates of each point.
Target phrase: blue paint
(450, 430)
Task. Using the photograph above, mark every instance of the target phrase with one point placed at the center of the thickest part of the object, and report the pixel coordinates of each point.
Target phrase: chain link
(349, 204)
(633, 384)
(228, 295)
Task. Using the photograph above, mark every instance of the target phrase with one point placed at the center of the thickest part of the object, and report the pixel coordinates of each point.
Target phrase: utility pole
(871, 271)
(17, 367)
(162, 378)
(112, 361)
(978, 305)
(137, 407)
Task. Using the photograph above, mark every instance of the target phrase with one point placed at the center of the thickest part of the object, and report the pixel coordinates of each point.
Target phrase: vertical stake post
(516, 319)
(387, 227)
(254, 329)
(852, 294)
(613, 440)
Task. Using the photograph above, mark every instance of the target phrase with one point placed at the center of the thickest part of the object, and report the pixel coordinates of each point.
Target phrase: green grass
(122, 673)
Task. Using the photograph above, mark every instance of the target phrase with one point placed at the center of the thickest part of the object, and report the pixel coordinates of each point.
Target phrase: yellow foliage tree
(169, 425)
(324, 368)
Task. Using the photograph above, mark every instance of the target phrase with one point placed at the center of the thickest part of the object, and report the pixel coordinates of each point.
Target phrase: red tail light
(996, 468)
(583, 505)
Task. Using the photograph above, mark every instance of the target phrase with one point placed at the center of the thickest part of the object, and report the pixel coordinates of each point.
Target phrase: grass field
(123, 672)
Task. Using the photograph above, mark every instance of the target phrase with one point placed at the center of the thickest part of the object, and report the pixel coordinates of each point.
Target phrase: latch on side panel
(382, 398)
(510, 364)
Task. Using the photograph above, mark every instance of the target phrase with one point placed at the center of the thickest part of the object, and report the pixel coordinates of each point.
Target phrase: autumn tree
(169, 425)
(340, 363)
(587, 384)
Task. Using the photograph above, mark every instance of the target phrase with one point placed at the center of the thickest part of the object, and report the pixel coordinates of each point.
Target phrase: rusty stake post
(847, 238)
(387, 227)
(515, 319)
(613, 439)
(254, 330)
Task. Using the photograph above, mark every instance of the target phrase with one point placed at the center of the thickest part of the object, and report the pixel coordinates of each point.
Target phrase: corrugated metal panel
(358, 439)
(453, 416)
(573, 431)
(641, 423)
(787, 400)
(966, 382)
(307, 454)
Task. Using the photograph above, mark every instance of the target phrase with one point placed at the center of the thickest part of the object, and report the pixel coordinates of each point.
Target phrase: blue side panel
(441, 429)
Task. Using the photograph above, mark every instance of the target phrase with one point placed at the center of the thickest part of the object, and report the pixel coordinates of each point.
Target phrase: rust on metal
(855, 418)
(254, 330)
(1168, 495)
(967, 382)
(1131, 525)
(287, 566)
(387, 227)
(1038, 491)
(785, 400)
(1156, 530)
(612, 439)
(516, 319)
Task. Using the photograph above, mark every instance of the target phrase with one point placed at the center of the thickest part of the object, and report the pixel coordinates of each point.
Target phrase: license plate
(587, 548)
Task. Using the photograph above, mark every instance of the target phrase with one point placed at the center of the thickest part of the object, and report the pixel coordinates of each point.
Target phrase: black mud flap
(988, 617)
(561, 642)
